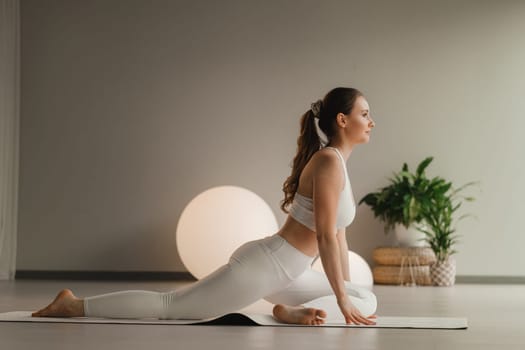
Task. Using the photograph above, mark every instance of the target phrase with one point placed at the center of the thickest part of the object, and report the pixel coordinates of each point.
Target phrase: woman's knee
(367, 295)
(370, 300)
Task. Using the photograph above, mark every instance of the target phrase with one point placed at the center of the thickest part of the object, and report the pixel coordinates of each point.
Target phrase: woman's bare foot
(64, 305)
(298, 315)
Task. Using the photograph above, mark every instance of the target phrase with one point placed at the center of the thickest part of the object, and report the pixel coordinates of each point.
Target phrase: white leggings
(268, 268)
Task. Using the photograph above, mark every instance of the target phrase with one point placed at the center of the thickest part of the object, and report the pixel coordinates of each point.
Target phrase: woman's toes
(321, 313)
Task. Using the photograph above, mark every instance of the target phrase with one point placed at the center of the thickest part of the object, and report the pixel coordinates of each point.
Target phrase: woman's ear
(341, 120)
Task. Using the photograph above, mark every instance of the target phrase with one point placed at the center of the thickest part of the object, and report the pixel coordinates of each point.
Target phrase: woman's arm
(328, 182)
(343, 253)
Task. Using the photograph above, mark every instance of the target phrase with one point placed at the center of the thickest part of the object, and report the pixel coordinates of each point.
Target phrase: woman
(320, 204)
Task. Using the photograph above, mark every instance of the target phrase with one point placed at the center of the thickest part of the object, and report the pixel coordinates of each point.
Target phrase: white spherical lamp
(218, 221)
(360, 272)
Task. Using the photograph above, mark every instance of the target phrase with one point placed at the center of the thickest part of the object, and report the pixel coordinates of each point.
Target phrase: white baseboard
(490, 279)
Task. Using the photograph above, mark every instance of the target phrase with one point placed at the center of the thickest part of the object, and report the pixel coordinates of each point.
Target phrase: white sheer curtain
(9, 131)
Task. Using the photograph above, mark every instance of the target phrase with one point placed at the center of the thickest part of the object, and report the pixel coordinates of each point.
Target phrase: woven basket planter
(393, 256)
(443, 273)
(394, 275)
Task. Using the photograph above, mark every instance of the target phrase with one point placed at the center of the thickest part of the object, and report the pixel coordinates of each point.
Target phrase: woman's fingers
(353, 319)
(367, 321)
(359, 319)
(363, 320)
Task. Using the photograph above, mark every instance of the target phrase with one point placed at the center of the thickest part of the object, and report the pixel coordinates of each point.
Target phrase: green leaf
(422, 166)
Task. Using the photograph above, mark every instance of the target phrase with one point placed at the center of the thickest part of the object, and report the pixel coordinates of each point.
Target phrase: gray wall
(132, 108)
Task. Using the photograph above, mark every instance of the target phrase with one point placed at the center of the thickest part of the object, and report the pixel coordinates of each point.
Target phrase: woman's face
(360, 122)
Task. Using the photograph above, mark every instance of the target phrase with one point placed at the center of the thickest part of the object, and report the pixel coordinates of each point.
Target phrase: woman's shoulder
(325, 155)
(326, 160)
(326, 169)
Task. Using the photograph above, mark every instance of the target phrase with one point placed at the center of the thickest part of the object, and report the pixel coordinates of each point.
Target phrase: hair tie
(316, 111)
(316, 108)
(323, 139)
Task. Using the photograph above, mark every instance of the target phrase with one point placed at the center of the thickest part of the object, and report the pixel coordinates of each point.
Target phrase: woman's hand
(352, 314)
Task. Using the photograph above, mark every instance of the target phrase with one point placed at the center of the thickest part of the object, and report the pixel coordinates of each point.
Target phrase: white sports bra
(302, 208)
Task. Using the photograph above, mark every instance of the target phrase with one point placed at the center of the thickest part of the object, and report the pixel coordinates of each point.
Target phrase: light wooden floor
(495, 314)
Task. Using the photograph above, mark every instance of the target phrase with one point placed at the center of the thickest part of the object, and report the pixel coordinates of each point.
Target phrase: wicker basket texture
(393, 256)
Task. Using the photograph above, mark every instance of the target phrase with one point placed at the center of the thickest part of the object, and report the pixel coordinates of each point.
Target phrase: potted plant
(401, 204)
(440, 232)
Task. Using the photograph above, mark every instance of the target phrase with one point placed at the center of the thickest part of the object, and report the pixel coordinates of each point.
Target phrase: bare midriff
(299, 236)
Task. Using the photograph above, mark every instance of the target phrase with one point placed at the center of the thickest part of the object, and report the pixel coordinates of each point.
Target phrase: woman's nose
(372, 123)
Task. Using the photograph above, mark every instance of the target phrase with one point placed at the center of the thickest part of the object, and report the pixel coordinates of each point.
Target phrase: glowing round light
(218, 221)
(360, 272)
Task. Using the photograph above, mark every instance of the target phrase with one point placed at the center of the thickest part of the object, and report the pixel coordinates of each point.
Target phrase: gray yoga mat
(248, 319)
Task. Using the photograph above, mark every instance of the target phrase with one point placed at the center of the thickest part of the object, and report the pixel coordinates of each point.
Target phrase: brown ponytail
(338, 100)
(307, 144)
